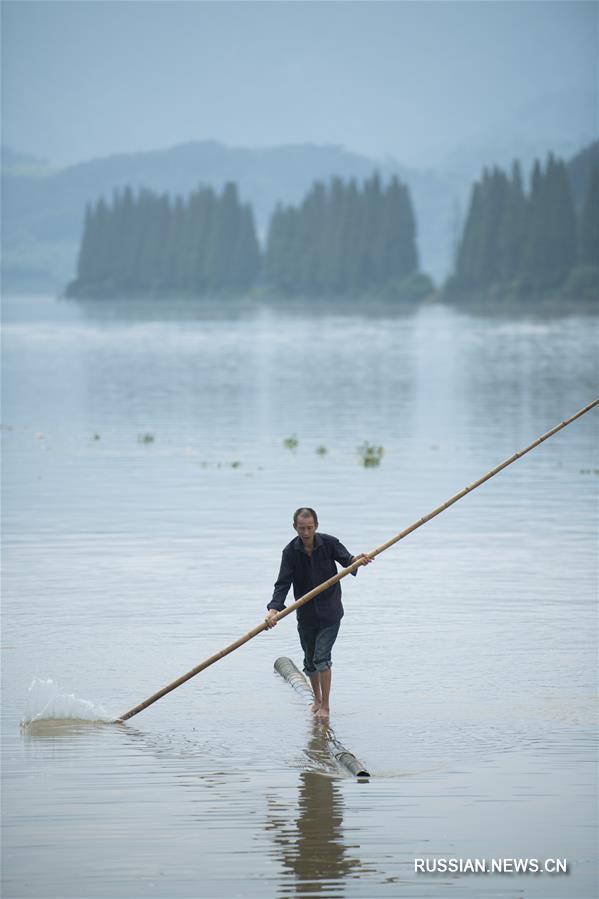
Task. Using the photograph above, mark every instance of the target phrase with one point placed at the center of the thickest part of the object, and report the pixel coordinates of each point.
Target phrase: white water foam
(46, 702)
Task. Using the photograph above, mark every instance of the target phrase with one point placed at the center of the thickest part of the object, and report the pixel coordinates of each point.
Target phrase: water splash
(46, 702)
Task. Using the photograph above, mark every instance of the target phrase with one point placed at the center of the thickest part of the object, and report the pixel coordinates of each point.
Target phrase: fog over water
(465, 670)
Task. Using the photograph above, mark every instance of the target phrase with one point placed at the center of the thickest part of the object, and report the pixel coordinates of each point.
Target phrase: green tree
(589, 221)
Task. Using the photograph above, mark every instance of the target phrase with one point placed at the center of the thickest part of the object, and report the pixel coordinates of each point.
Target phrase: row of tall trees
(342, 238)
(528, 243)
(148, 243)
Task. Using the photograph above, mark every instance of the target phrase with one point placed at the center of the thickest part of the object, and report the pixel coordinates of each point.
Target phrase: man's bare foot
(322, 712)
(315, 707)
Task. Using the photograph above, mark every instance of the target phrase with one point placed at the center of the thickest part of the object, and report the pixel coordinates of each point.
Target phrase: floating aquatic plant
(321, 450)
(146, 438)
(96, 436)
(236, 464)
(370, 455)
(291, 443)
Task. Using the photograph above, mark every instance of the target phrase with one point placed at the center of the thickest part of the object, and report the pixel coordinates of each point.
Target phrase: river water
(147, 496)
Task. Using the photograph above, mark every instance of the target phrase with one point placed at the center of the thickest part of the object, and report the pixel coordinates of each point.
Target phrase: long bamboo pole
(341, 574)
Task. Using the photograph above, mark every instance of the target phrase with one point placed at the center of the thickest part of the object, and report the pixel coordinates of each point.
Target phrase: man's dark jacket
(306, 572)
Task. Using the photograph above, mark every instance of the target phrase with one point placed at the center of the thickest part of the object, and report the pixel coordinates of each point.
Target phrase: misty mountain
(18, 163)
(560, 122)
(43, 209)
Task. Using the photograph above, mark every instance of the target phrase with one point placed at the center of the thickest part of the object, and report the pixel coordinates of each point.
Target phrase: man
(308, 561)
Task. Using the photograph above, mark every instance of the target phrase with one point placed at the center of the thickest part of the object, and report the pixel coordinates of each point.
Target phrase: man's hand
(271, 618)
(363, 558)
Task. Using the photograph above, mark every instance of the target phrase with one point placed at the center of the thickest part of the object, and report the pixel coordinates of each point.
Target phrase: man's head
(305, 522)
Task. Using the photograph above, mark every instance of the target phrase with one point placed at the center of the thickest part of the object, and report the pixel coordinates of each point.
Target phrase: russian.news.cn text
(490, 866)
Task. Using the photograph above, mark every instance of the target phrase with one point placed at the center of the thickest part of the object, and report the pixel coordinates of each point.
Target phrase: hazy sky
(412, 80)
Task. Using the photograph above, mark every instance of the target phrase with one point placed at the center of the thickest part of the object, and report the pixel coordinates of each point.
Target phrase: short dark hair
(305, 512)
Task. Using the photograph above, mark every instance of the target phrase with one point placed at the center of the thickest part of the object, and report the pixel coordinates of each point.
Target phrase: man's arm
(345, 558)
(282, 585)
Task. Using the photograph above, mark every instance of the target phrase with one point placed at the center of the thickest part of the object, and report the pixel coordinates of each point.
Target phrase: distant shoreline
(473, 305)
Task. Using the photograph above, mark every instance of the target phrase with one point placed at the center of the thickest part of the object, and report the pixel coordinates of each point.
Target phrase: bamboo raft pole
(291, 673)
(350, 569)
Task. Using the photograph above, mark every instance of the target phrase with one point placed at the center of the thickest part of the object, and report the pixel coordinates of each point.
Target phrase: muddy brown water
(465, 669)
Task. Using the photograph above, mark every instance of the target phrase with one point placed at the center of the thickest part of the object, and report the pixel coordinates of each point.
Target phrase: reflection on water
(466, 665)
(311, 846)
